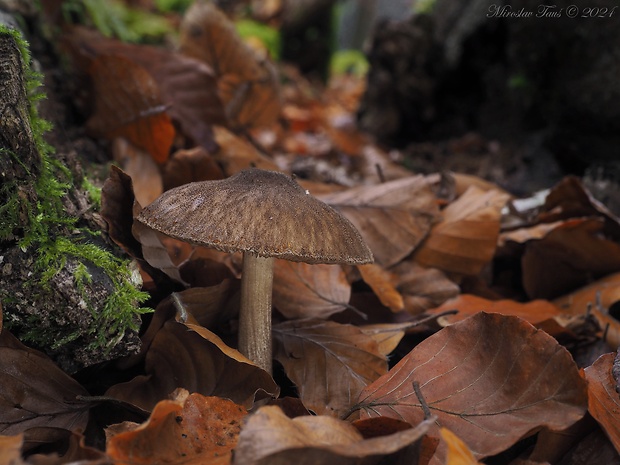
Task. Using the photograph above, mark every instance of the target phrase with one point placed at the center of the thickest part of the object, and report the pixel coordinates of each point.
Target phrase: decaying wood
(15, 131)
(59, 307)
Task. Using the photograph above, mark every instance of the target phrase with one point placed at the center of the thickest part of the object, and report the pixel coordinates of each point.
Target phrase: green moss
(268, 36)
(116, 19)
(44, 226)
(94, 192)
(348, 62)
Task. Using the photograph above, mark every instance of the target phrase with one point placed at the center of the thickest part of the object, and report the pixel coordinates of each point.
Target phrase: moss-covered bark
(61, 287)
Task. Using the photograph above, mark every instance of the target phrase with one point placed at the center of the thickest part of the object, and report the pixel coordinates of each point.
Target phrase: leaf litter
(463, 341)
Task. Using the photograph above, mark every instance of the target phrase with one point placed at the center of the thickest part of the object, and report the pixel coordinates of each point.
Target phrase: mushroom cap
(263, 212)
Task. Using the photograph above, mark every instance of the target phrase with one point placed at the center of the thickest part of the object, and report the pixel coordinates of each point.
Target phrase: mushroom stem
(255, 313)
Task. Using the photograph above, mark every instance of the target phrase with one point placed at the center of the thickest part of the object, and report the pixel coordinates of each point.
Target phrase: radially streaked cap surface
(263, 212)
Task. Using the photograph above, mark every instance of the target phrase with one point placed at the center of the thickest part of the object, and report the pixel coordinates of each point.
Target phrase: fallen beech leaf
(236, 154)
(155, 252)
(463, 181)
(75, 451)
(568, 257)
(11, 449)
(128, 104)
(197, 431)
(604, 292)
(188, 87)
(422, 288)
(535, 312)
(248, 86)
(491, 379)
(206, 267)
(466, 239)
(570, 199)
(387, 335)
(191, 165)
(552, 446)
(392, 217)
(140, 166)
(36, 393)
(458, 452)
(610, 327)
(379, 426)
(192, 357)
(523, 235)
(603, 399)
(271, 438)
(301, 290)
(593, 448)
(117, 200)
(209, 306)
(329, 363)
(380, 281)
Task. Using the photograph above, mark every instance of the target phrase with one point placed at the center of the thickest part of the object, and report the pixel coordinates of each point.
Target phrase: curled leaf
(35, 392)
(466, 239)
(270, 437)
(329, 363)
(189, 356)
(247, 85)
(195, 430)
(128, 104)
(393, 217)
(603, 397)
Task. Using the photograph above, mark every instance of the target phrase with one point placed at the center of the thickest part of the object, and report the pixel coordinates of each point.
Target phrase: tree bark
(51, 308)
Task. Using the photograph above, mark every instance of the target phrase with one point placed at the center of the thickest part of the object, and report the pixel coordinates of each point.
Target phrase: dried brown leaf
(236, 154)
(536, 312)
(247, 85)
(189, 356)
(75, 451)
(209, 306)
(270, 437)
(393, 217)
(568, 257)
(187, 86)
(128, 104)
(523, 235)
(329, 363)
(458, 452)
(570, 199)
(197, 430)
(139, 165)
(117, 200)
(381, 282)
(603, 398)
(301, 290)
(466, 239)
(422, 288)
(609, 325)
(11, 449)
(604, 292)
(36, 393)
(155, 252)
(191, 165)
(491, 379)
(387, 335)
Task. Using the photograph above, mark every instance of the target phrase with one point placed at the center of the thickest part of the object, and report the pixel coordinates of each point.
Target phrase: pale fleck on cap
(263, 212)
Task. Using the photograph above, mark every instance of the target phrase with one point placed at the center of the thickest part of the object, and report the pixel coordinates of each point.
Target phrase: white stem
(255, 313)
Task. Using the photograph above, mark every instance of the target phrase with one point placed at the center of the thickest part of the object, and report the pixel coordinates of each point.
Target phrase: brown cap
(262, 212)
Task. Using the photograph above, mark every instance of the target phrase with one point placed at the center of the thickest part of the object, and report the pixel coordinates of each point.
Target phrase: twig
(423, 404)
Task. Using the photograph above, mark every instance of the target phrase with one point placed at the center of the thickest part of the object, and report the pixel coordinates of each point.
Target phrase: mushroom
(266, 215)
